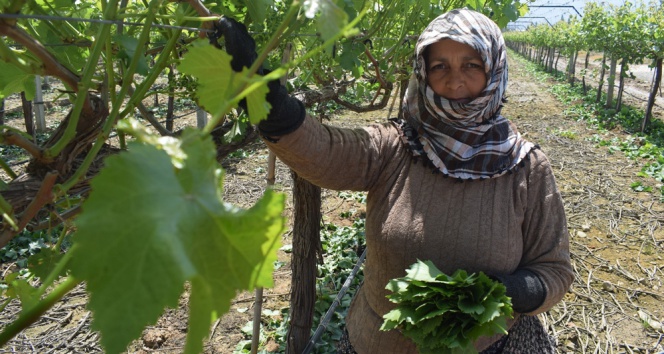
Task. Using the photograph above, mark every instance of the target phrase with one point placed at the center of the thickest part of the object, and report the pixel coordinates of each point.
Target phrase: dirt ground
(617, 239)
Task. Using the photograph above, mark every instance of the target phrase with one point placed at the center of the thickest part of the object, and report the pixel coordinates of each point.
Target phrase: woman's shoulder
(385, 136)
(538, 160)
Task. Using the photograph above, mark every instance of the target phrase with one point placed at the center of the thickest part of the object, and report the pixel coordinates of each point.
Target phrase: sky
(552, 11)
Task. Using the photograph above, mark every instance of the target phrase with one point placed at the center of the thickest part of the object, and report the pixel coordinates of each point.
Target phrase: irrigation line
(322, 327)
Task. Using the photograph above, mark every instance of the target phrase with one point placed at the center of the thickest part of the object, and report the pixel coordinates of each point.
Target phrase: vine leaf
(217, 82)
(19, 288)
(13, 80)
(332, 18)
(258, 9)
(43, 262)
(149, 226)
(128, 50)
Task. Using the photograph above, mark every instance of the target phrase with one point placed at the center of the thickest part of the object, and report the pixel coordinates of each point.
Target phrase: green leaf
(149, 226)
(423, 271)
(236, 132)
(258, 9)
(42, 263)
(468, 305)
(218, 83)
(129, 49)
(332, 18)
(68, 53)
(13, 80)
(257, 105)
(349, 58)
(445, 314)
(19, 288)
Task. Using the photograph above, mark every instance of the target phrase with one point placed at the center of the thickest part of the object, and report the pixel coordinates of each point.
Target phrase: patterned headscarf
(463, 140)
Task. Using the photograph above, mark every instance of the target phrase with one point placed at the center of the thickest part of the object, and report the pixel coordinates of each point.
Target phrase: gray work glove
(525, 288)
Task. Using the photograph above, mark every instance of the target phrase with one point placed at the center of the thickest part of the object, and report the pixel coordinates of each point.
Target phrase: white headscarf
(464, 140)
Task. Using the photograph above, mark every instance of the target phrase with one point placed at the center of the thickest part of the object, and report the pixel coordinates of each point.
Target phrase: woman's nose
(454, 80)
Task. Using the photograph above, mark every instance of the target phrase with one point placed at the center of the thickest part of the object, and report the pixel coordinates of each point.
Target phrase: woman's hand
(525, 288)
(287, 113)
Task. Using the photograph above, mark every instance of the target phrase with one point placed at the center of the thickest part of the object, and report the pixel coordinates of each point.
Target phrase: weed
(639, 187)
(360, 197)
(565, 134)
(341, 246)
(28, 243)
(239, 154)
(274, 328)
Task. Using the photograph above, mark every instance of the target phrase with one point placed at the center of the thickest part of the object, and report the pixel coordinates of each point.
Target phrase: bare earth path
(616, 234)
(614, 306)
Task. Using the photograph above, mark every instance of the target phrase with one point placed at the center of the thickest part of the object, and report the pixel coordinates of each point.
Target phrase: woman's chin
(462, 100)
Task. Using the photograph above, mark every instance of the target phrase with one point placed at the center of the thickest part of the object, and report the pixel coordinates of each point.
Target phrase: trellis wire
(119, 22)
(94, 20)
(322, 327)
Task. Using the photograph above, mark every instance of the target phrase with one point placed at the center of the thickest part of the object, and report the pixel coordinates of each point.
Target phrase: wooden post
(271, 178)
(171, 99)
(585, 71)
(38, 104)
(653, 93)
(602, 72)
(305, 256)
(2, 112)
(611, 81)
(27, 115)
(201, 118)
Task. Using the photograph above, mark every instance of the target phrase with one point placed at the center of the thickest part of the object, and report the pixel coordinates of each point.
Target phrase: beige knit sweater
(495, 225)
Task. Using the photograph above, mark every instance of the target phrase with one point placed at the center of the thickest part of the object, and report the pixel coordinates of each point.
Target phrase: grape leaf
(258, 9)
(332, 18)
(217, 82)
(128, 50)
(149, 227)
(423, 271)
(43, 262)
(445, 314)
(13, 80)
(19, 288)
(237, 130)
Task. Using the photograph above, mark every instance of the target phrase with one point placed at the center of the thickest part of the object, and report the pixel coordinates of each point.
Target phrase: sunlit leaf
(129, 49)
(14, 80)
(217, 82)
(258, 9)
(442, 313)
(43, 262)
(331, 20)
(152, 227)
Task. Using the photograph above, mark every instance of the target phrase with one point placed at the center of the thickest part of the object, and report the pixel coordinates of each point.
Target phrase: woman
(491, 204)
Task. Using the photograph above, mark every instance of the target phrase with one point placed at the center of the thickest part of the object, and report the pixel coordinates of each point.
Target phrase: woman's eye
(437, 67)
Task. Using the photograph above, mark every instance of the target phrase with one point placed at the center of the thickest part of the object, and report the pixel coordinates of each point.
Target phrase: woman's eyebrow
(468, 57)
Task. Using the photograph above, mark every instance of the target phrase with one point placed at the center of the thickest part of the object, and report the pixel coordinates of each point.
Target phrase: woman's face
(455, 71)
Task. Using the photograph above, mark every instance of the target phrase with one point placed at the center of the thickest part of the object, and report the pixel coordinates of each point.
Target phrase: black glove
(525, 288)
(287, 113)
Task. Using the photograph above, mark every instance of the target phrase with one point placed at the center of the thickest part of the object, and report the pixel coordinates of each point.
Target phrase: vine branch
(12, 138)
(44, 196)
(36, 312)
(50, 64)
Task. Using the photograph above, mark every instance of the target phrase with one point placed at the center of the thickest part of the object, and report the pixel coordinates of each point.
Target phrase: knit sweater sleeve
(546, 239)
(337, 158)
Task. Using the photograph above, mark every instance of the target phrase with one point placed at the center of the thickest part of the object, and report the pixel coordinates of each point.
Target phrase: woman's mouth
(461, 100)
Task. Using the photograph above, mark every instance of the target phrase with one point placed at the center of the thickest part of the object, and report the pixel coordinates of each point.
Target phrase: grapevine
(146, 215)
